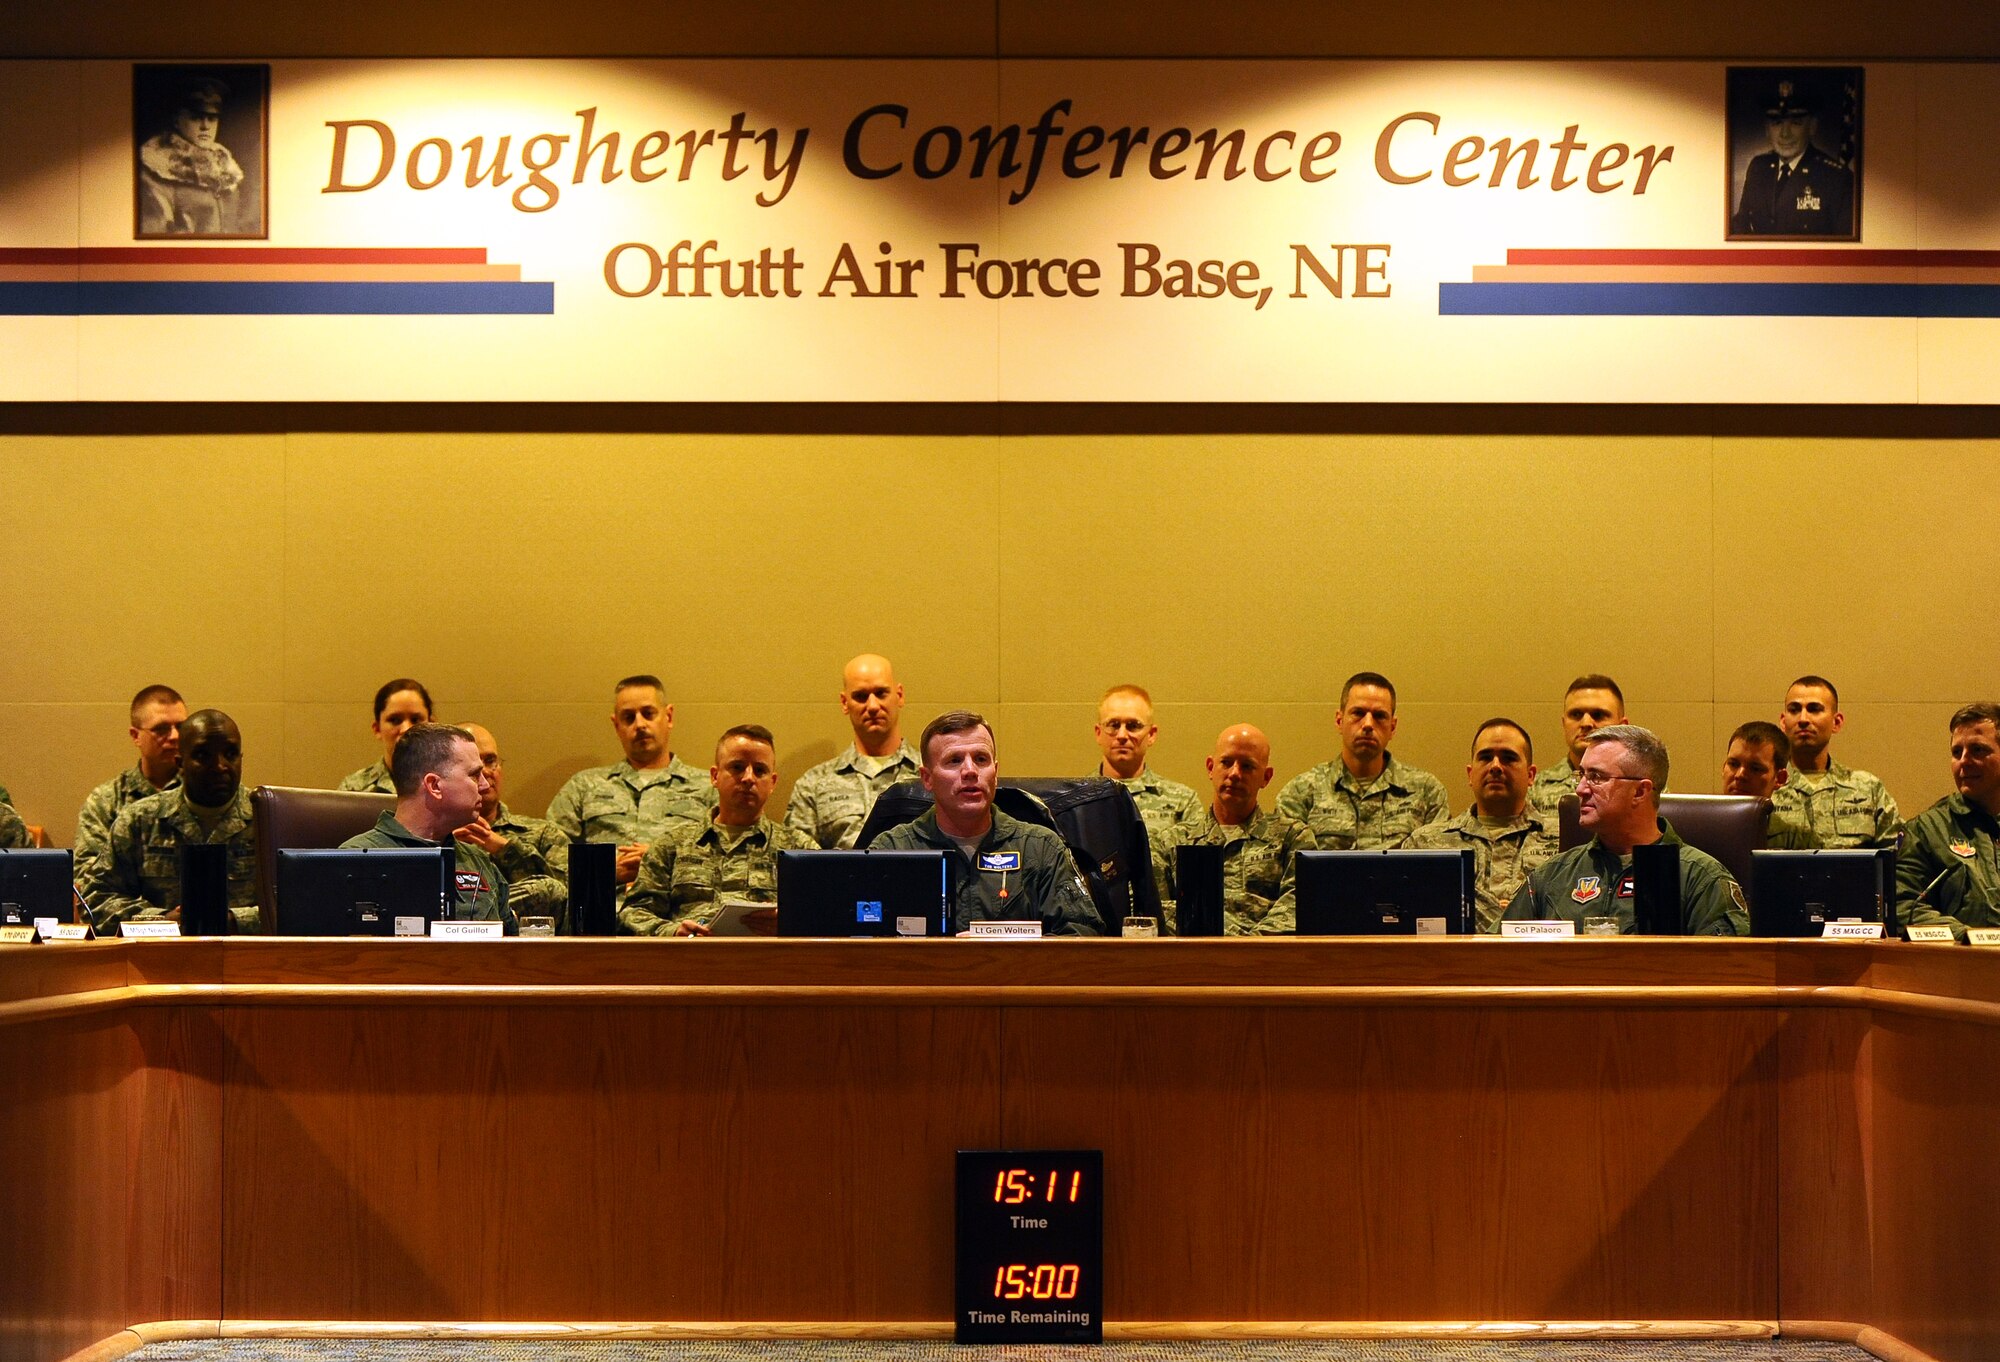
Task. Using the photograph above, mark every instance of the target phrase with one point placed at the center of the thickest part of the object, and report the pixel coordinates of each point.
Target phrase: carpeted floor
(816, 1350)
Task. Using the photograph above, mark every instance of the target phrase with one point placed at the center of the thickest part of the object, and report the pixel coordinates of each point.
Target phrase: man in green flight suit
(1008, 871)
(1948, 870)
(1618, 789)
(440, 784)
(1259, 848)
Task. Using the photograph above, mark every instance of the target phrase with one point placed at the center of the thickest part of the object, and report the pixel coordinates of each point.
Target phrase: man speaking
(1009, 871)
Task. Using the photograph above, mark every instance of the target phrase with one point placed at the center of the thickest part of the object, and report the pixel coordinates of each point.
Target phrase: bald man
(1260, 848)
(137, 873)
(831, 801)
(531, 852)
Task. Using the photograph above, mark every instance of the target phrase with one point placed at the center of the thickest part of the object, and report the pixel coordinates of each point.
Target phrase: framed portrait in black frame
(1795, 153)
(200, 140)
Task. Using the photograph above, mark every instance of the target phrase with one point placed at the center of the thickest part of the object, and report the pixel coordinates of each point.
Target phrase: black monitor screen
(1385, 893)
(34, 883)
(361, 891)
(1796, 893)
(863, 893)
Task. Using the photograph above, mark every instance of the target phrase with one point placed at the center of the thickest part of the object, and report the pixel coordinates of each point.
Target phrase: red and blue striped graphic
(1752, 282)
(128, 281)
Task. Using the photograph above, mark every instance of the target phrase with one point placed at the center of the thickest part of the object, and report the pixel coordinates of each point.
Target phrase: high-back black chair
(283, 816)
(1096, 819)
(1727, 827)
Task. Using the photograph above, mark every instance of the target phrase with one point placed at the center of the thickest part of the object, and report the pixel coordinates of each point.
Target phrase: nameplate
(468, 931)
(1982, 936)
(65, 931)
(153, 931)
(1545, 931)
(1008, 931)
(17, 936)
(1933, 931)
(1856, 931)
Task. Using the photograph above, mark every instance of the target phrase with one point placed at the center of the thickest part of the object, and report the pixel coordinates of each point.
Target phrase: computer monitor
(1385, 893)
(34, 883)
(362, 891)
(1796, 893)
(864, 893)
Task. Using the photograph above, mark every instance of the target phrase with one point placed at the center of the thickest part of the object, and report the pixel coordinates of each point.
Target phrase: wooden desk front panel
(111, 1199)
(612, 1163)
(1936, 1178)
(1416, 1164)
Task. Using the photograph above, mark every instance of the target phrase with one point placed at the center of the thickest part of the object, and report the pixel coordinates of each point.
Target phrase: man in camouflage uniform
(1508, 838)
(1624, 770)
(1843, 807)
(1948, 870)
(685, 876)
(645, 796)
(1125, 733)
(1756, 765)
(830, 802)
(156, 714)
(1259, 849)
(400, 705)
(1008, 871)
(137, 875)
(529, 851)
(440, 785)
(1364, 799)
(1592, 701)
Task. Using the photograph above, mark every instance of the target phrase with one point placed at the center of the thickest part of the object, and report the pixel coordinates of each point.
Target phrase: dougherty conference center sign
(978, 231)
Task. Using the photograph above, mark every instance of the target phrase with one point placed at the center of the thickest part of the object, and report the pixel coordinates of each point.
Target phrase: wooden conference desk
(1395, 1130)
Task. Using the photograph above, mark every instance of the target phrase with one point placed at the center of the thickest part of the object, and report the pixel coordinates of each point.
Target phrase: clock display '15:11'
(1013, 1186)
(1036, 1281)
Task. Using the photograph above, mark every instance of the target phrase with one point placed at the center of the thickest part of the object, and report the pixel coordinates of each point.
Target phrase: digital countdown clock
(1030, 1246)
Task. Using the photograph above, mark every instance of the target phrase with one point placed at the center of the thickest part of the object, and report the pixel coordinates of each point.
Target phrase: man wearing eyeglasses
(156, 714)
(1618, 785)
(531, 852)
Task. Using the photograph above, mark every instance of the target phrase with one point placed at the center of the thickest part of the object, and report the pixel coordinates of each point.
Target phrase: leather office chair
(1096, 819)
(1727, 827)
(284, 816)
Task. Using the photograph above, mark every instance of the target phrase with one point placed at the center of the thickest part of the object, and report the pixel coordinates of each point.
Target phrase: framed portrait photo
(1795, 153)
(200, 135)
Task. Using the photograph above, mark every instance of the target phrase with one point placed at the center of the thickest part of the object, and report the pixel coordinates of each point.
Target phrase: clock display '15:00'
(1036, 1281)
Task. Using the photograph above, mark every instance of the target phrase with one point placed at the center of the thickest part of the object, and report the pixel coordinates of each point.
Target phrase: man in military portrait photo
(187, 181)
(1795, 150)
